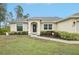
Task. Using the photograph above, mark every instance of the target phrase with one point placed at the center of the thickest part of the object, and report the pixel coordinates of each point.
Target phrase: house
(35, 25)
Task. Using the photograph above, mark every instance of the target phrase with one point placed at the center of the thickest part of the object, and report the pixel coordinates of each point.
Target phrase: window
(45, 26)
(50, 26)
(19, 27)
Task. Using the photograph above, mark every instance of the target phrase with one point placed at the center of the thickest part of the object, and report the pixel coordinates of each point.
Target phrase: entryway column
(38, 28)
(29, 28)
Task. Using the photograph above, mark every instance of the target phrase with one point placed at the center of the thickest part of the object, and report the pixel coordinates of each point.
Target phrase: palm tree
(2, 12)
(10, 16)
(26, 16)
(19, 12)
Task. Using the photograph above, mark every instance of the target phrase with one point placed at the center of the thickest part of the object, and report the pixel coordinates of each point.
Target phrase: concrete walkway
(57, 40)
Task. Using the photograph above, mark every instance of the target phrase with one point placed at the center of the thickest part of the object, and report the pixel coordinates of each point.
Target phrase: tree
(10, 16)
(19, 12)
(2, 12)
(26, 16)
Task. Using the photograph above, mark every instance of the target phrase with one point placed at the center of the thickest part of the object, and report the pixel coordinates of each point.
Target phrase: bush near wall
(3, 31)
(66, 35)
(19, 33)
(46, 33)
(61, 35)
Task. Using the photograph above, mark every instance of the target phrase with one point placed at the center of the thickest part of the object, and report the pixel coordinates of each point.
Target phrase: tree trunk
(0, 24)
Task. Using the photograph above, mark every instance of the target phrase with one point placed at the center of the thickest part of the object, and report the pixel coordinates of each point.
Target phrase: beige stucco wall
(61, 26)
(13, 28)
(77, 27)
(66, 26)
(25, 27)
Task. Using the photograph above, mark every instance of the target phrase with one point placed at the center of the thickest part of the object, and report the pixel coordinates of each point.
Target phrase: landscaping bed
(4, 30)
(47, 33)
(61, 34)
(67, 35)
(19, 33)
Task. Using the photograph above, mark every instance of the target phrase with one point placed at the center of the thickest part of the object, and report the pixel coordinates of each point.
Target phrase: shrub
(19, 33)
(66, 35)
(46, 33)
(3, 31)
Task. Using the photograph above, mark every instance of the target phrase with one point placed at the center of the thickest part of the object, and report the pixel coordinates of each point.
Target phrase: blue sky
(46, 10)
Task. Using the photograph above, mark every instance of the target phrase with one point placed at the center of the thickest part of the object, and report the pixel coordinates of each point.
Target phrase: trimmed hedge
(46, 33)
(19, 33)
(66, 35)
(61, 35)
(3, 31)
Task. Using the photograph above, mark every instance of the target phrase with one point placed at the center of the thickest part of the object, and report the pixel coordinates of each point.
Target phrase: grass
(25, 45)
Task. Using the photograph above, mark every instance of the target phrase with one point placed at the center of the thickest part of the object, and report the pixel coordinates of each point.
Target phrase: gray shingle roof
(45, 18)
(55, 19)
(75, 15)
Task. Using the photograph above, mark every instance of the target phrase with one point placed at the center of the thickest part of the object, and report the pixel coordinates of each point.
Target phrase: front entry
(34, 27)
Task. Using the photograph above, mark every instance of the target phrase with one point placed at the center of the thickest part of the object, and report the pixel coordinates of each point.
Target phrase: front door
(34, 28)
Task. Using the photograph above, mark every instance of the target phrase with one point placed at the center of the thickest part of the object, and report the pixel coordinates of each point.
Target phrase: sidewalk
(57, 40)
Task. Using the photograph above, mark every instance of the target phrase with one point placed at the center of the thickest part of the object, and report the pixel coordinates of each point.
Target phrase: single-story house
(34, 25)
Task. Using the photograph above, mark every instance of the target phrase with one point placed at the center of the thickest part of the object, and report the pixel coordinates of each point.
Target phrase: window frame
(48, 27)
(45, 27)
(20, 26)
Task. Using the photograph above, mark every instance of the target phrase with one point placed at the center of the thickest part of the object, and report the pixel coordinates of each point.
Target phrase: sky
(46, 9)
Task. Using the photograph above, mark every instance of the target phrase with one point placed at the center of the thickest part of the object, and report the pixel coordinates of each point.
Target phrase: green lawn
(31, 46)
